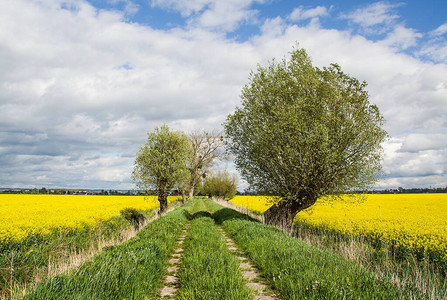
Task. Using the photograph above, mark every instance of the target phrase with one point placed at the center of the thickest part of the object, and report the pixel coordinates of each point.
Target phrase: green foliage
(132, 270)
(161, 162)
(222, 185)
(302, 132)
(198, 189)
(133, 215)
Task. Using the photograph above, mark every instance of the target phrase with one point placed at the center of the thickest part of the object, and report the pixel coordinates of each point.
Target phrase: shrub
(132, 215)
(222, 185)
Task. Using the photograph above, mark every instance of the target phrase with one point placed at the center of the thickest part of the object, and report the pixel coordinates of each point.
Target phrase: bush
(132, 215)
(222, 185)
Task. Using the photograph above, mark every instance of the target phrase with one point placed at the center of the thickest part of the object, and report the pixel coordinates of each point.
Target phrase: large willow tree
(302, 133)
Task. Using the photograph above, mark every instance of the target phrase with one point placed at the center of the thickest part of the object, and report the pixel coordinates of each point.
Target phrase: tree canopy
(162, 162)
(302, 132)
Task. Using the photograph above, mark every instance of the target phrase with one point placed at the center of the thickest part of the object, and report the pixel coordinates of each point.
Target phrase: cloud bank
(80, 86)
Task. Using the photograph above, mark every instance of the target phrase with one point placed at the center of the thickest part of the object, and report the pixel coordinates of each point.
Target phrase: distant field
(417, 222)
(258, 204)
(26, 215)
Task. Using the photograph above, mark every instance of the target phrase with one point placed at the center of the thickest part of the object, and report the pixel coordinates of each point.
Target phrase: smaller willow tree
(161, 162)
(302, 133)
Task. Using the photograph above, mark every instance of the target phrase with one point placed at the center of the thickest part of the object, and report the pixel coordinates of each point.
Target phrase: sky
(82, 82)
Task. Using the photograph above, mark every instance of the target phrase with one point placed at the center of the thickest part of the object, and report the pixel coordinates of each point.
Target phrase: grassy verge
(408, 270)
(301, 271)
(23, 263)
(208, 270)
(131, 270)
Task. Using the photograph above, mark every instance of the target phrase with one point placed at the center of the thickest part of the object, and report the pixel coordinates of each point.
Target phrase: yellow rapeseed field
(23, 215)
(417, 222)
(257, 204)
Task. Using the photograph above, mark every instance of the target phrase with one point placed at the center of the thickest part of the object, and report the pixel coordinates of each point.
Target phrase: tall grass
(27, 261)
(406, 270)
(409, 267)
(38, 256)
(132, 270)
(208, 269)
(298, 270)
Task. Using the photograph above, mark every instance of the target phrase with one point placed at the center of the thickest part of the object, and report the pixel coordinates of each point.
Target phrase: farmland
(403, 235)
(413, 222)
(40, 234)
(207, 269)
(29, 215)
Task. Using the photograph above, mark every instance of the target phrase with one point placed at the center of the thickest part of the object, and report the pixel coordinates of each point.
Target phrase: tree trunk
(183, 196)
(191, 192)
(282, 215)
(163, 199)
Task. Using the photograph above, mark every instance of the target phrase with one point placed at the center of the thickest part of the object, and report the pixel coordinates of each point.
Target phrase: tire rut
(169, 290)
(249, 272)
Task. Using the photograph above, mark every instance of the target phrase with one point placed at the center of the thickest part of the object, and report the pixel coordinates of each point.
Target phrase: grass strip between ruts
(208, 269)
(298, 270)
(132, 270)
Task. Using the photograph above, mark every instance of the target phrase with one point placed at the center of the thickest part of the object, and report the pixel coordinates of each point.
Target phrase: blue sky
(81, 82)
(422, 16)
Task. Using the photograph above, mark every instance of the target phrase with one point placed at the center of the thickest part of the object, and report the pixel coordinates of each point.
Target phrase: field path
(249, 272)
(171, 279)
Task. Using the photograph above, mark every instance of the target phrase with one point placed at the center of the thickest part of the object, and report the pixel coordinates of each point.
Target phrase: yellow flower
(417, 222)
(25, 215)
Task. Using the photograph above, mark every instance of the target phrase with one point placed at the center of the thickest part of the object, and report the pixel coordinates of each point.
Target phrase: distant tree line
(199, 190)
(61, 191)
(402, 190)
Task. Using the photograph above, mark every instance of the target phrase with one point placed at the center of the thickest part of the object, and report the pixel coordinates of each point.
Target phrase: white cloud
(417, 142)
(413, 182)
(213, 14)
(435, 51)
(226, 15)
(72, 114)
(402, 37)
(441, 30)
(301, 13)
(436, 46)
(374, 18)
(185, 7)
(63, 91)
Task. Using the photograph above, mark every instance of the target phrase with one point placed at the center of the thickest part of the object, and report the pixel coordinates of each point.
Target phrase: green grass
(413, 272)
(208, 269)
(297, 270)
(35, 252)
(132, 270)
